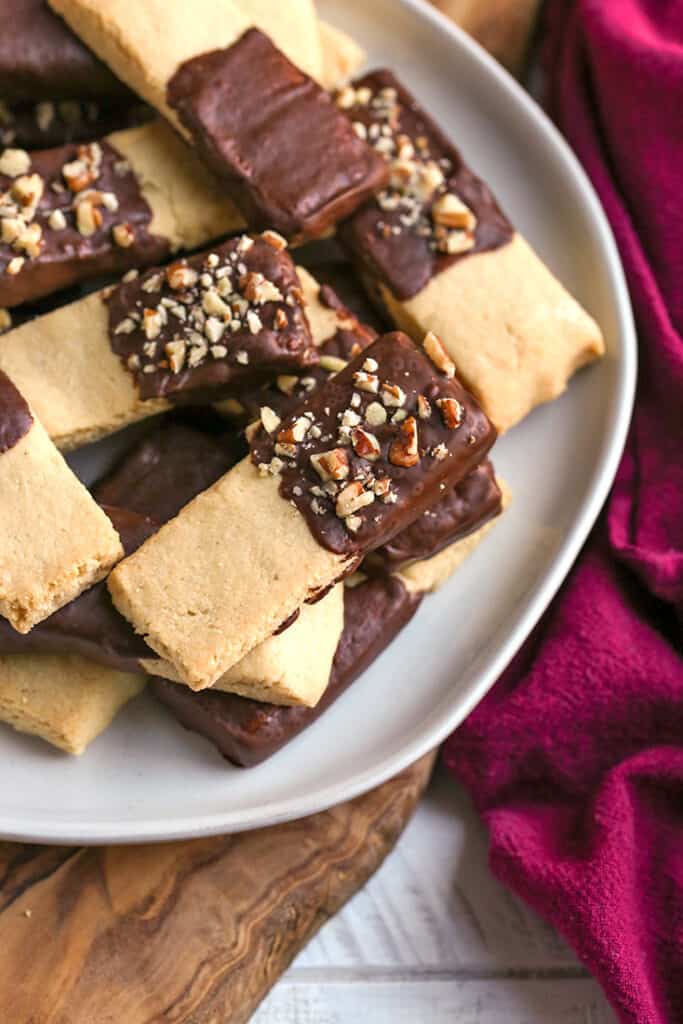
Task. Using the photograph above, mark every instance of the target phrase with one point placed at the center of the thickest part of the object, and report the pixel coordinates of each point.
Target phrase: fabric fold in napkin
(575, 758)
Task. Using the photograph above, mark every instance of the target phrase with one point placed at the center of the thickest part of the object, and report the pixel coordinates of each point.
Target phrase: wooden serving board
(194, 931)
(199, 931)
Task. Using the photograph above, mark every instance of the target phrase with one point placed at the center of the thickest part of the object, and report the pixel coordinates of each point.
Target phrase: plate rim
(13, 828)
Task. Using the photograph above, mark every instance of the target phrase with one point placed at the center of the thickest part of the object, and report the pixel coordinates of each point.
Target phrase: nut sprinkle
(203, 322)
(357, 470)
(70, 202)
(434, 210)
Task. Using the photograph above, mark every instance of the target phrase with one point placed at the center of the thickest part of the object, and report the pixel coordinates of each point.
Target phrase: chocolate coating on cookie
(290, 158)
(167, 469)
(15, 415)
(287, 392)
(40, 58)
(466, 508)
(213, 323)
(245, 731)
(55, 122)
(68, 214)
(382, 441)
(434, 211)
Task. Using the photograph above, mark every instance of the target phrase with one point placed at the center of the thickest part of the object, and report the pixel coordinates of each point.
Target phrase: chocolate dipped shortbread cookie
(376, 607)
(80, 211)
(289, 158)
(440, 255)
(200, 328)
(247, 732)
(360, 460)
(56, 541)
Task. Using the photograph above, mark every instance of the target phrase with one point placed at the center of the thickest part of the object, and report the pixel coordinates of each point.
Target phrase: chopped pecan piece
(352, 499)
(451, 412)
(332, 465)
(404, 450)
(365, 444)
(434, 348)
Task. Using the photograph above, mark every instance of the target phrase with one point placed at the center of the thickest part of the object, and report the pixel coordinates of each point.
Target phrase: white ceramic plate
(148, 779)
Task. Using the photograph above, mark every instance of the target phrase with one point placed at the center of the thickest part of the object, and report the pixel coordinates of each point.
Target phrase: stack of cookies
(320, 319)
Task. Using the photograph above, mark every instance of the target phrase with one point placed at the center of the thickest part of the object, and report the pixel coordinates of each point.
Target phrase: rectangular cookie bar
(376, 607)
(66, 701)
(359, 461)
(162, 474)
(247, 732)
(440, 255)
(289, 158)
(292, 667)
(56, 541)
(82, 211)
(201, 327)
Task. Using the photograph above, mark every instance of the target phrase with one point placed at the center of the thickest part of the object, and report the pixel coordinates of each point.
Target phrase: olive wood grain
(192, 931)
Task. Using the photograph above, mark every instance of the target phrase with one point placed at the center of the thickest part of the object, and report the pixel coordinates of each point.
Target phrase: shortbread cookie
(68, 214)
(145, 51)
(441, 256)
(56, 542)
(81, 211)
(247, 732)
(198, 328)
(376, 607)
(293, 666)
(66, 701)
(290, 160)
(330, 483)
(342, 55)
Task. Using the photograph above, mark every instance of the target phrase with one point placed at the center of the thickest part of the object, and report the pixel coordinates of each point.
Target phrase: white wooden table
(434, 938)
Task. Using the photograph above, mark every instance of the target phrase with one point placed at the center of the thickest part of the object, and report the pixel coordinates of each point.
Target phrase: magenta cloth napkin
(575, 758)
